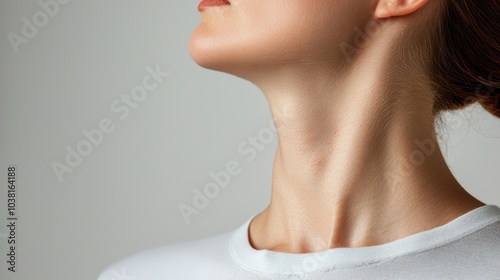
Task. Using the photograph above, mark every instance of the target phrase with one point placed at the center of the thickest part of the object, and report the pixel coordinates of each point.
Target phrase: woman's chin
(235, 57)
(205, 54)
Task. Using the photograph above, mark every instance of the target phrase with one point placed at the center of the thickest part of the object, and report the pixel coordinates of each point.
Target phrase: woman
(360, 188)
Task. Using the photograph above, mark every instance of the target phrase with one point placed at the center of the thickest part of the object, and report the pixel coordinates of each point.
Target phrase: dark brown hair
(466, 59)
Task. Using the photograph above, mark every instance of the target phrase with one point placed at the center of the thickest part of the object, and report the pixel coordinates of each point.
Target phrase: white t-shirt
(466, 248)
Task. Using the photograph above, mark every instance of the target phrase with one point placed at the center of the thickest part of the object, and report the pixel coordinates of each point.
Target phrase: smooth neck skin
(343, 174)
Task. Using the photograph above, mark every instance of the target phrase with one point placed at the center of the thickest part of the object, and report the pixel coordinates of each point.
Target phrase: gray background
(124, 196)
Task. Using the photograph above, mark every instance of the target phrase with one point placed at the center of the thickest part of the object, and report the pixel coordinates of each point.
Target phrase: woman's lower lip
(209, 3)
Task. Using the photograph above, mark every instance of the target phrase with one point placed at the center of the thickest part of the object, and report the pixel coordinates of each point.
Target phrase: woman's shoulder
(171, 261)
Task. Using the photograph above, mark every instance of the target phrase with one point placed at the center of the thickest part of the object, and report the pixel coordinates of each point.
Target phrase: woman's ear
(392, 8)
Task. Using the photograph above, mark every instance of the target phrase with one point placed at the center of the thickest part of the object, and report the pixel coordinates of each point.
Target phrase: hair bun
(467, 58)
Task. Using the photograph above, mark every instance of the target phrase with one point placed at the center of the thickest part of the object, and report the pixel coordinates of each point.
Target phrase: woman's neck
(358, 162)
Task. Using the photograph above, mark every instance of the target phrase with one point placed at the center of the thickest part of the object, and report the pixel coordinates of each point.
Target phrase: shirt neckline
(266, 262)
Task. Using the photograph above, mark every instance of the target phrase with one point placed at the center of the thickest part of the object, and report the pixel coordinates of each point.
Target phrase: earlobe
(391, 8)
